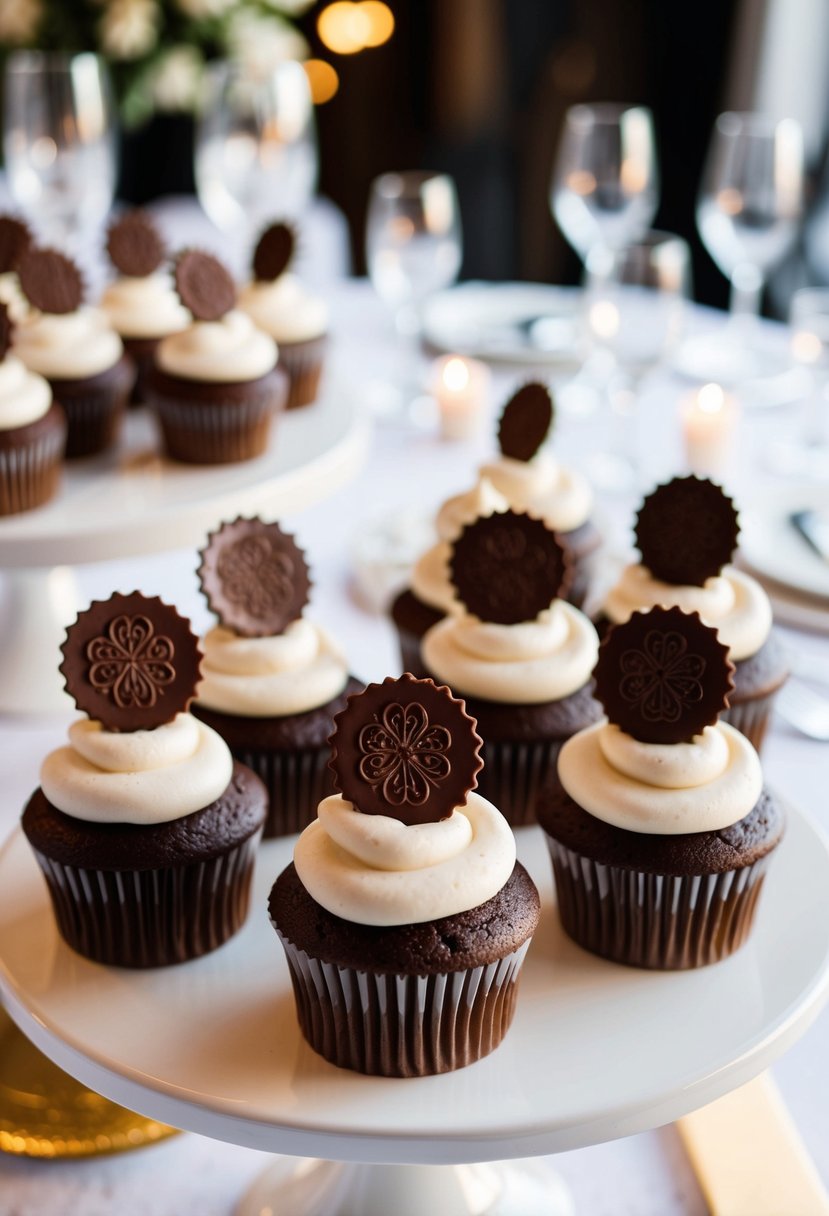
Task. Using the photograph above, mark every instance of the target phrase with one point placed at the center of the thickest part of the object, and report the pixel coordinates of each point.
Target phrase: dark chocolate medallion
(274, 252)
(508, 567)
(15, 239)
(204, 286)
(405, 748)
(255, 577)
(135, 246)
(663, 675)
(50, 282)
(687, 531)
(131, 662)
(525, 421)
(5, 331)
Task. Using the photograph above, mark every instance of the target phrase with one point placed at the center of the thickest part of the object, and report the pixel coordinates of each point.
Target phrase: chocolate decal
(525, 421)
(132, 664)
(662, 678)
(255, 577)
(405, 754)
(687, 531)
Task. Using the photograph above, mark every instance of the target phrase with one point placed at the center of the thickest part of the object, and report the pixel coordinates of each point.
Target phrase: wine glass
(256, 147)
(59, 143)
(605, 184)
(806, 453)
(413, 249)
(749, 207)
(634, 311)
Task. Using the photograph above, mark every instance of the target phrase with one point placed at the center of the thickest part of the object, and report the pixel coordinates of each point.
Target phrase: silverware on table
(804, 709)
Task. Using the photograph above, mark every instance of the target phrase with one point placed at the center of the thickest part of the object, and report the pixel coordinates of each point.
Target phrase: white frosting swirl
(285, 309)
(67, 346)
(290, 673)
(145, 307)
(143, 776)
(542, 660)
(430, 578)
(659, 788)
(483, 499)
(374, 870)
(12, 296)
(24, 396)
(219, 351)
(561, 497)
(733, 603)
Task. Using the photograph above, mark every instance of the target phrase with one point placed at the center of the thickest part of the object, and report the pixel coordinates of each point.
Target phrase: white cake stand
(135, 502)
(596, 1050)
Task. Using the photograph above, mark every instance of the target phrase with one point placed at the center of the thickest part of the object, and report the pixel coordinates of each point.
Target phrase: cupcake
(215, 387)
(281, 305)
(518, 654)
(430, 595)
(659, 827)
(15, 239)
(75, 348)
(404, 915)
(272, 680)
(144, 826)
(529, 477)
(32, 432)
(141, 302)
(687, 532)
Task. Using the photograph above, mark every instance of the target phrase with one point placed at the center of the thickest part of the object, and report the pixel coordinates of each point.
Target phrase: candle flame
(456, 375)
(711, 399)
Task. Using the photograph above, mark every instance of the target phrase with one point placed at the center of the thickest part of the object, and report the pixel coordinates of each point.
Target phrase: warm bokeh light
(711, 399)
(604, 319)
(323, 79)
(581, 181)
(381, 22)
(806, 347)
(456, 375)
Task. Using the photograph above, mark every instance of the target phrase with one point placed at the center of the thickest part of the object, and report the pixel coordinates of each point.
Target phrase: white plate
(596, 1050)
(772, 546)
(530, 323)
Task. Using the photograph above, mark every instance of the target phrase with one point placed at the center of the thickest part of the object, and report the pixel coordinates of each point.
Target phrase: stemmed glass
(605, 184)
(634, 311)
(413, 249)
(59, 143)
(806, 453)
(256, 147)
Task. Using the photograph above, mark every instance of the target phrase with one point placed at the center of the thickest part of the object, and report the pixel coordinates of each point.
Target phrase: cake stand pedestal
(135, 502)
(596, 1051)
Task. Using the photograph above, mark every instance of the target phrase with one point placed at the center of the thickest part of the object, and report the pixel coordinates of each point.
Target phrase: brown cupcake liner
(151, 918)
(29, 475)
(660, 921)
(218, 432)
(296, 780)
(142, 352)
(403, 1025)
(513, 775)
(302, 362)
(751, 718)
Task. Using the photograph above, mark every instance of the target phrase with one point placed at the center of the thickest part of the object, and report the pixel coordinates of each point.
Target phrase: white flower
(128, 28)
(19, 20)
(200, 9)
(175, 81)
(259, 42)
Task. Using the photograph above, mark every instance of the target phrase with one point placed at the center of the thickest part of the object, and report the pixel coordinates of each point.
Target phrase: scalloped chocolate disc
(50, 281)
(405, 748)
(204, 286)
(255, 577)
(508, 567)
(663, 675)
(131, 662)
(687, 531)
(135, 246)
(274, 252)
(15, 238)
(6, 328)
(525, 421)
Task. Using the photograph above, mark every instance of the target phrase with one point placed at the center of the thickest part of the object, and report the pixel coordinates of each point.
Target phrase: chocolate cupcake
(215, 387)
(272, 681)
(141, 302)
(659, 828)
(75, 349)
(404, 916)
(15, 239)
(144, 826)
(32, 432)
(280, 304)
(519, 654)
(687, 533)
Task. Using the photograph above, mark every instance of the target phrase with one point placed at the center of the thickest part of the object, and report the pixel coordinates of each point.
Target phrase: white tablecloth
(646, 1175)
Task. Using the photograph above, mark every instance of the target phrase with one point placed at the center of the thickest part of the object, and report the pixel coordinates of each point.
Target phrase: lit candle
(709, 419)
(461, 388)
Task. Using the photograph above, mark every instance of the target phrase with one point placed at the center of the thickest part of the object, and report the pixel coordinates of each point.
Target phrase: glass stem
(745, 299)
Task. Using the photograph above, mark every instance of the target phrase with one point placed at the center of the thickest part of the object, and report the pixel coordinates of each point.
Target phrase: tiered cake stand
(135, 502)
(596, 1050)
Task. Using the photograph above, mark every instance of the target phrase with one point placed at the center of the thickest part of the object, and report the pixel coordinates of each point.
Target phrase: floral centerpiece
(156, 49)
